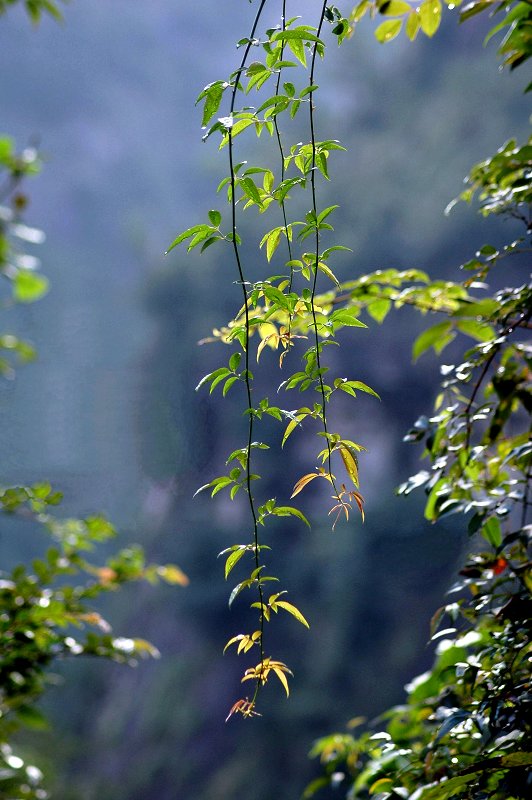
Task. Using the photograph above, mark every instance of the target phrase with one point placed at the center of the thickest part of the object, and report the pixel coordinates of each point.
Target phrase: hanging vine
(290, 307)
(281, 308)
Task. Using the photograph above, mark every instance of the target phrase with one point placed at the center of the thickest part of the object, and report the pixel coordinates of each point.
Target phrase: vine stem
(317, 250)
(281, 151)
(248, 380)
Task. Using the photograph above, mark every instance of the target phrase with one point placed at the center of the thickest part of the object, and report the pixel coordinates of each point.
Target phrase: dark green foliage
(464, 730)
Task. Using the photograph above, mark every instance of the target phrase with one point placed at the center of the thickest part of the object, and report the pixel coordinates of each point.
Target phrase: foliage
(464, 730)
(292, 294)
(48, 614)
(465, 727)
(24, 284)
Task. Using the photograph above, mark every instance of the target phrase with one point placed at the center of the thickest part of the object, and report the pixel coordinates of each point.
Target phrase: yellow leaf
(282, 677)
(430, 16)
(302, 482)
(172, 574)
(350, 464)
(294, 611)
(233, 640)
(267, 329)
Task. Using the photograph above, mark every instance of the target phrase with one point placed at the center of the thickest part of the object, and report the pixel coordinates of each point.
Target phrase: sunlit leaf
(350, 464)
(430, 16)
(388, 30)
(295, 612)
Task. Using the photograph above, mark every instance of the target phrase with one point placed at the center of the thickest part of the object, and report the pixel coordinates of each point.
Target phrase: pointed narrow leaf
(291, 426)
(295, 612)
(290, 511)
(302, 482)
(282, 677)
(232, 560)
(350, 465)
(186, 235)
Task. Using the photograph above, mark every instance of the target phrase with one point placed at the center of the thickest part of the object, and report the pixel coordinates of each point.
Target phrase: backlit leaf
(430, 16)
(233, 559)
(388, 30)
(302, 482)
(29, 286)
(295, 612)
(350, 464)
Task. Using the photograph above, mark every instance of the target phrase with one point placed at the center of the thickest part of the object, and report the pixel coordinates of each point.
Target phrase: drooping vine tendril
(247, 373)
(318, 346)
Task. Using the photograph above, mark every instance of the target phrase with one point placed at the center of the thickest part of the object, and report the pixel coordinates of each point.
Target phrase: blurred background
(109, 415)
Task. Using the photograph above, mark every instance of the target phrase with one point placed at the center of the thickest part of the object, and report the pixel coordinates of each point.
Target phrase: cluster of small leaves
(47, 613)
(19, 269)
(464, 730)
(412, 16)
(516, 44)
(503, 181)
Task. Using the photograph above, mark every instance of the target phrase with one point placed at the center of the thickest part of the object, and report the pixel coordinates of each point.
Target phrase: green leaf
(172, 575)
(213, 96)
(413, 23)
(233, 559)
(388, 30)
(346, 316)
(477, 330)
(234, 361)
(186, 235)
(295, 34)
(325, 213)
(291, 426)
(215, 217)
(361, 9)
(445, 789)
(271, 239)
(430, 16)
(29, 286)
(378, 309)
(363, 387)
(290, 511)
(491, 531)
(250, 190)
(432, 337)
(328, 272)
